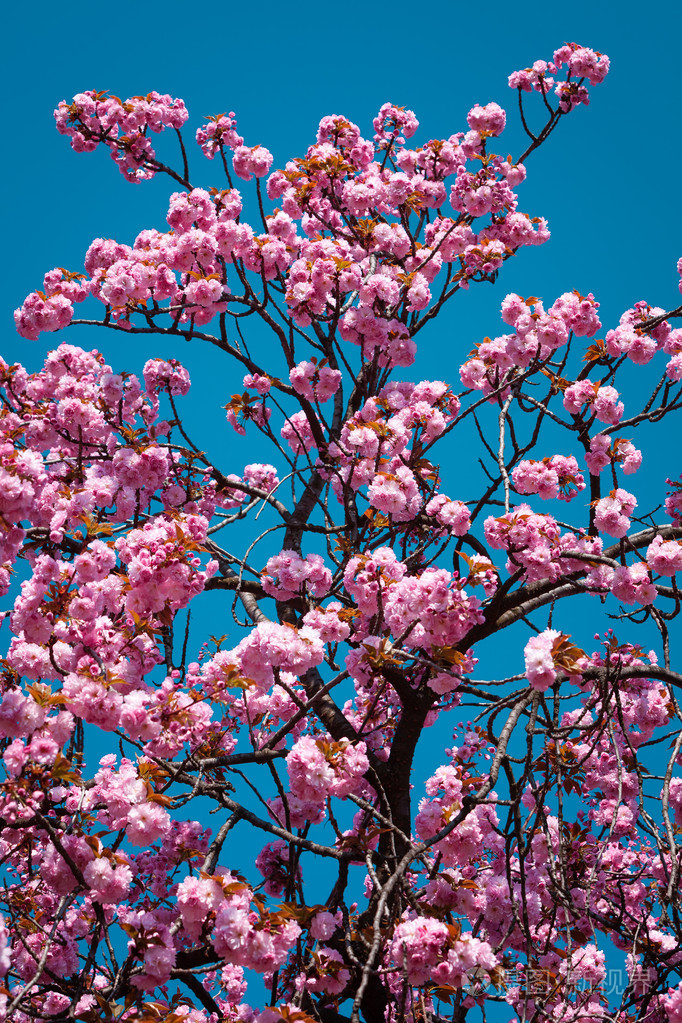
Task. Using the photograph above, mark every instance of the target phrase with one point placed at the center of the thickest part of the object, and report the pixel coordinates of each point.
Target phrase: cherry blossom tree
(543, 853)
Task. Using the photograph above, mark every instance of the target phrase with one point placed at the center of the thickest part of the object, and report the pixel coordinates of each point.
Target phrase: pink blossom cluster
(580, 62)
(121, 125)
(605, 450)
(366, 577)
(165, 375)
(251, 161)
(432, 609)
(319, 768)
(373, 446)
(673, 501)
(227, 902)
(536, 545)
(162, 562)
(259, 480)
(583, 62)
(629, 339)
(452, 515)
(330, 975)
(672, 1004)
(297, 432)
(219, 132)
(5, 957)
(611, 513)
(125, 796)
(538, 655)
(288, 575)
(393, 125)
(664, 556)
(630, 584)
(602, 401)
(673, 347)
(316, 383)
(431, 950)
(490, 118)
(446, 790)
(206, 236)
(52, 308)
(556, 476)
(538, 333)
(534, 77)
(271, 646)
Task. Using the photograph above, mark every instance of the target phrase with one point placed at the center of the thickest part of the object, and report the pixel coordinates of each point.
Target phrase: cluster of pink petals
(581, 63)
(227, 902)
(539, 660)
(92, 118)
(374, 446)
(394, 124)
(429, 950)
(536, 544)
(298, 433)
(432, 609)
(664, 556)
(218, 133)
(604, 450)
(287, 575)
(672, 1004)
(537, 334)
(316, 383)
(270, 646)
(162, 563)
(556, 476)
(491, 118)
(319, 768)
(395, 492)
(630, 340)
(602, 401)
(611, 513)
(632, 584)
(452, 515)
(251, 161)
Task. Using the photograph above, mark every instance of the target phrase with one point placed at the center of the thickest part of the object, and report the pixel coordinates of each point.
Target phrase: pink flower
(287, 574)
(251, 160)
(109, 884)
(538, 656)
(664, 556)
(454, 515)
(146, 823)
(633, 585)
(196, 898)
(553, 477)
(490, 118)
(611, 513)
